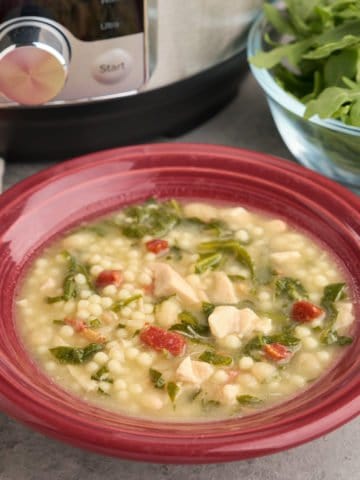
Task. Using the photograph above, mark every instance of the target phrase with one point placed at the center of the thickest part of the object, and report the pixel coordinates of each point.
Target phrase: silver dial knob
(34, 61)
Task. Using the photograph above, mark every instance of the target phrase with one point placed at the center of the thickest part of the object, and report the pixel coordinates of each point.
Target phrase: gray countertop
(26, 455)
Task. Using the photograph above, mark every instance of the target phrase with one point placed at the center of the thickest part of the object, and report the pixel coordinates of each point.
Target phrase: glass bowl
(43, 206)
(327, 146)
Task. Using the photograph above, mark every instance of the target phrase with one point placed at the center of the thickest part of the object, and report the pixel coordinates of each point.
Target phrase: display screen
(88, 20)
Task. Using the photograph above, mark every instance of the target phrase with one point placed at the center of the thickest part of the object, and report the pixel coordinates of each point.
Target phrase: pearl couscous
(184, 311)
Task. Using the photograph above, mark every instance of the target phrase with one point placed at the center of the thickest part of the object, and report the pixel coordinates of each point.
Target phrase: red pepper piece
(160, 339)
(157, 245)
(77, 324)
(304, 311)
(276, 351)
(109, 277)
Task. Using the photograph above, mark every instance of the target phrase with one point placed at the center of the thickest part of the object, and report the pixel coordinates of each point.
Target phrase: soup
(185, 311)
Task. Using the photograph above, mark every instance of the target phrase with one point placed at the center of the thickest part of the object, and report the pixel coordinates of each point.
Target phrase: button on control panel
(112, 66)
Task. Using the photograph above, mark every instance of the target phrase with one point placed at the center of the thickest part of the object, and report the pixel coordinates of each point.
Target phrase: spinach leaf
(208, 262)
(248, 400)
(229, 247)
(207, 308)
(255, 345)
(75, 355)
(70, 289)
(117, 306)
(290, 289)
(102, 375)
(156, 378)
(191, 327)
(151, 218)
(215, 358)
(172, 390)
(331, 337)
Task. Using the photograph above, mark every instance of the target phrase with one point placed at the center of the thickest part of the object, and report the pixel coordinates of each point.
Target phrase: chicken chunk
(228, 319)
(237, 217)
(204, 212)
(193, 371)
(167, 312)
(345, 316)
(222, 290)
(168, 282)
(282, 258)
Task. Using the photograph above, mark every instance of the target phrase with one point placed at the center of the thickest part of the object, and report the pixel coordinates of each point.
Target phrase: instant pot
(83, 75)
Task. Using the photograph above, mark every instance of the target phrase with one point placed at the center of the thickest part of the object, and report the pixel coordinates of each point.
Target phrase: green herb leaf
(290, 289)
(332, 294)
(102, 375)
(151, 218)
(156, 378)
(187, 318)
(70, 289)
(121, 325)
(255, 345)
(331, 337)
(175, 252)
(230, 247)
(124, 303)
(207, 308)
(208, 405)
(102, 392)
(58, 322)
(57, 299)
(95, 323)
(215, 358)
(74, 355)
(208, 262)
(316, 55)
(248, 400)
(172, 390)
(188, 332)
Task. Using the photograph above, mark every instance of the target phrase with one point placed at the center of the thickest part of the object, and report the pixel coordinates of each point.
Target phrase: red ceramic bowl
(39, 208)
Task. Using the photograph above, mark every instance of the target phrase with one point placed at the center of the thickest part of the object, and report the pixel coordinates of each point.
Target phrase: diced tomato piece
(160, 339)
(77, 324)
(109, 277)
(157, 245)
(276, 351)
(304, 311)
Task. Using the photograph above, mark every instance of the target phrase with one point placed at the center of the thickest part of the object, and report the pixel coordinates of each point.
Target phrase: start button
(112, 66)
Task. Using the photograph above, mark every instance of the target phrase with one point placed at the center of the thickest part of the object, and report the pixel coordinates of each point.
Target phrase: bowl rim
(207, 449)
(278, 94)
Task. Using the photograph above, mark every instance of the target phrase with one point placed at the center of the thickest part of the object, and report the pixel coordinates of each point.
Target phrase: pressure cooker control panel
(70, 50)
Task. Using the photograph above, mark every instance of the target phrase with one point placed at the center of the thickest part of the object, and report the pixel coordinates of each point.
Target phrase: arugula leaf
(215, 358)
(156, 378)
(318, 45)
(74, 355)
